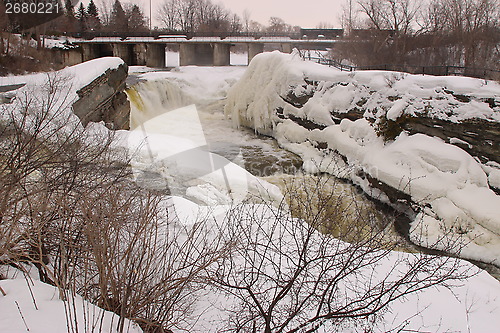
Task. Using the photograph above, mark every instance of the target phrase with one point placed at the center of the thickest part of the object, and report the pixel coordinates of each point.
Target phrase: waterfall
(170, 142)
(149, 99)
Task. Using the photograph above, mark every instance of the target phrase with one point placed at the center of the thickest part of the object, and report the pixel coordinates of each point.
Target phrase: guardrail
(481, 73)
(189, 35)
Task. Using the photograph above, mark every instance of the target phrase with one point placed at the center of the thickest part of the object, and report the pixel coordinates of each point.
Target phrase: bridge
(204, 51)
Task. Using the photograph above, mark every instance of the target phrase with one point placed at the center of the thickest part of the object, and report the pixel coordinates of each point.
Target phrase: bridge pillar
(187, 55)
(196, 54)
(139, 54)
(123, 51)
(222, 54)
(155, 55)
(286, 47)
(254, 49)
(89, 51)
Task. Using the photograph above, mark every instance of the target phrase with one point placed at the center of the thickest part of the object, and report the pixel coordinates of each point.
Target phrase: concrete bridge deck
(180, 40)
(211, 51)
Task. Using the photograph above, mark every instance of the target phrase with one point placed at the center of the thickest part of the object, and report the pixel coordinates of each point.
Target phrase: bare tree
(246, 20)
(471, 23)
(198, 15)
(288, 277)
(169, 15)
(70, 208)
(278, 25)
(348, 16)
(396, 15)
(187, 11)
(105, 7)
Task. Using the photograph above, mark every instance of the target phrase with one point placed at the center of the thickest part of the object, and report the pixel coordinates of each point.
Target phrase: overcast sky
(305, 13)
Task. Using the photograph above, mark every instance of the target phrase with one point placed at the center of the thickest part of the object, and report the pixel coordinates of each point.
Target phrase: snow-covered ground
(162, 133)
(472, 305)
(33, 306)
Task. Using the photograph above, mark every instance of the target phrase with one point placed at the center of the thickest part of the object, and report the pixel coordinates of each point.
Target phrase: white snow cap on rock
(451, 185)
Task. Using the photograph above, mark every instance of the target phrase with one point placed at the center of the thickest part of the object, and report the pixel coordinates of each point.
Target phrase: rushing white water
(183, 143)
(168, 107)
(151, 99)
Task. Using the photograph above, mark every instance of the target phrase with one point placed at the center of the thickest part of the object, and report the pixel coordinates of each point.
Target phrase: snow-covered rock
(93, 91)
(335, 122)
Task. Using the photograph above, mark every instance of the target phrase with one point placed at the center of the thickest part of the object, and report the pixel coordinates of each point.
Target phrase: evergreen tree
(119, 20)
(81, 16)
(70, 9)
(70, 23)
(93, 20)
(136, 19)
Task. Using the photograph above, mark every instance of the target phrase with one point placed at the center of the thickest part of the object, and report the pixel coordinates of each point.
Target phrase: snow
(452, 186)
(472, 305)
(168, 111)
(54, 93)
(340, 91)
(455, 141)
(396, 110)
(238, 59)
(44, 311)
(492, 169)
(79, 75)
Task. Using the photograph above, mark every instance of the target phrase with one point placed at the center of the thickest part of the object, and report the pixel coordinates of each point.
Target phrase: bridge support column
(254, 49)
(89, 51)
(68, 57)
(139, 54)
(196, 54)
(222, 54)
(155, 55)
(286, 47)
(187, 55)
(123, 51)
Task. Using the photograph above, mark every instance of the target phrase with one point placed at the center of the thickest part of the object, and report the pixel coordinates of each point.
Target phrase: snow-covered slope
(76, 77)
(471, 305)
(308, 108)
(30, 305)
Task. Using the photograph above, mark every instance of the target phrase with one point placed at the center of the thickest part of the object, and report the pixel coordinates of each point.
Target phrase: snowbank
(472, 304)
(302, 105)
(80, 75)
(330, 90)
(38, 308)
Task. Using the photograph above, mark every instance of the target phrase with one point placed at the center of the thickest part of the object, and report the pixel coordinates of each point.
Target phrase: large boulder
(104, 99)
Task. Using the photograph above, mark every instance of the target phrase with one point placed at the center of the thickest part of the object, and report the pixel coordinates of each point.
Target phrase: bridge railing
(188, 35)
(445, 70)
